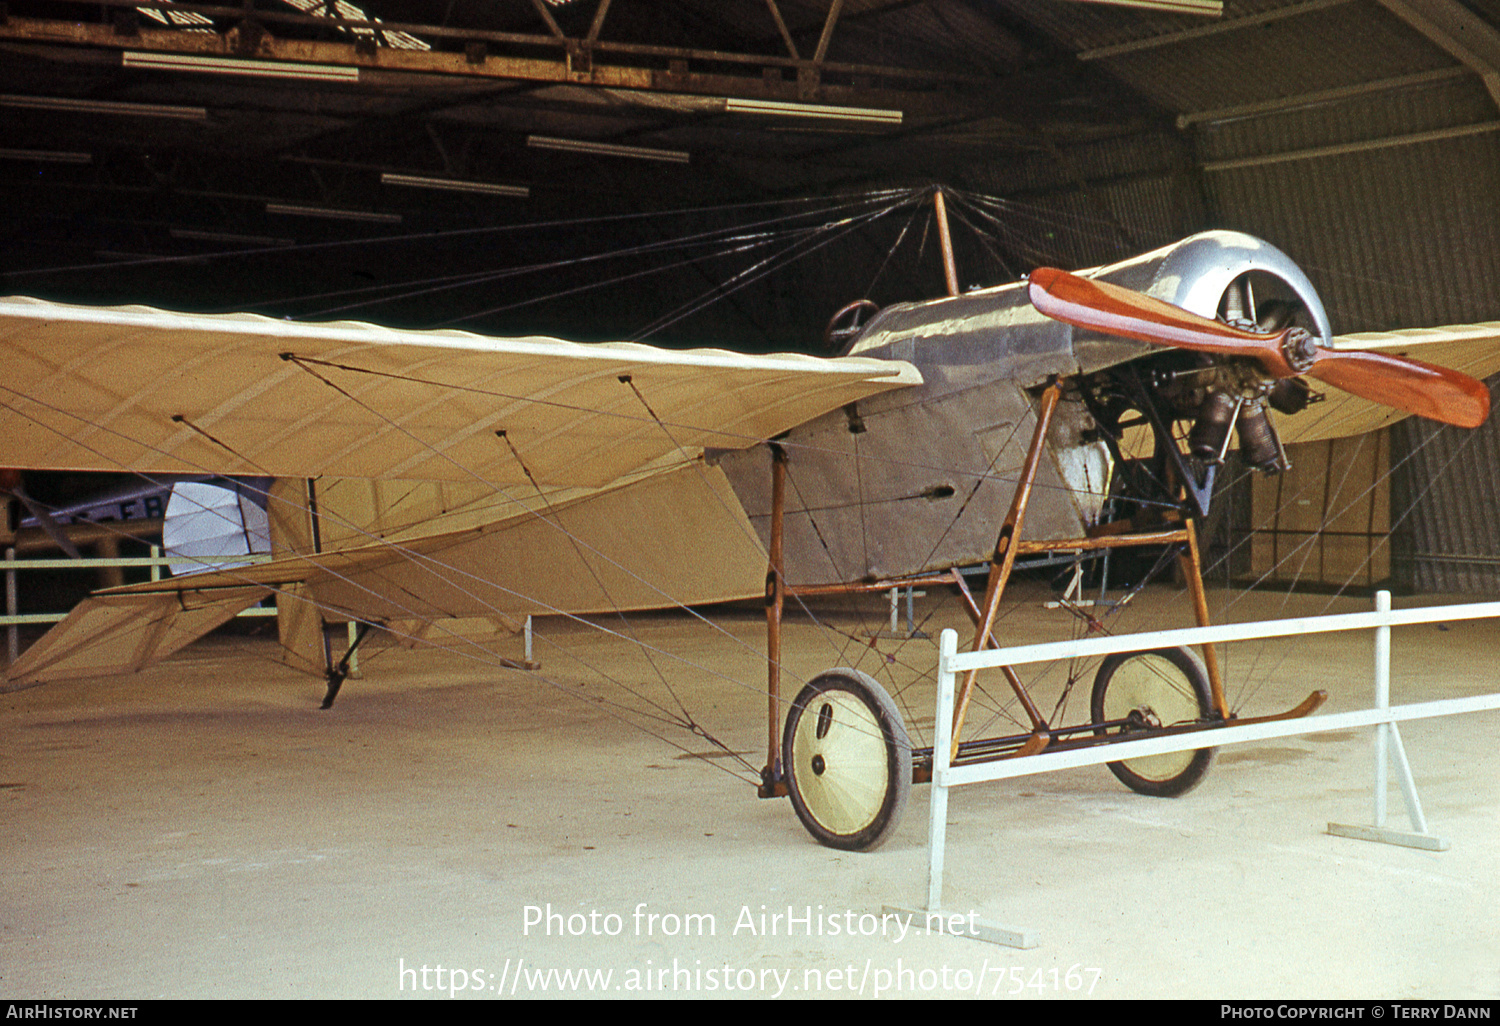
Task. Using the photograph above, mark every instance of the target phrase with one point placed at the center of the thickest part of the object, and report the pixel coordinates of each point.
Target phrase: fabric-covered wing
(133, 388)
(662, 540)
(1471, 348)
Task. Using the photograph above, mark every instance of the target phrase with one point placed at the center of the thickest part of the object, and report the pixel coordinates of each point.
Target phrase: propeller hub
(1299, 349)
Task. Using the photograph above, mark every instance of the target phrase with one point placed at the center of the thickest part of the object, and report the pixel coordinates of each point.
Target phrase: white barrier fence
(156, 562)
(1384, 716)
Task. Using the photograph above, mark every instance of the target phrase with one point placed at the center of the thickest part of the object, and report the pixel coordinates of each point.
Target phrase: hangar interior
(451, 182)
(523, 167)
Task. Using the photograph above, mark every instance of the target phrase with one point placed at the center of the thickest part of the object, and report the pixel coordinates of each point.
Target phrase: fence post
(937, 827)
(1382, 701)
(13, 633)
(1388, 743)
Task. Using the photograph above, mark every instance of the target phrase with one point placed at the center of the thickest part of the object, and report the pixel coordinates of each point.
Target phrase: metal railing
(13, 619)
(951, 662)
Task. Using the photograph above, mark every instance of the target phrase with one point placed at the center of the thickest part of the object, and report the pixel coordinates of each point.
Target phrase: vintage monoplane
(531, 476)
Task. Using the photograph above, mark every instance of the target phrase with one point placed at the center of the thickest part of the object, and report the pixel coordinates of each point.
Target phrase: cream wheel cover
(840, 761)
(1157, 688)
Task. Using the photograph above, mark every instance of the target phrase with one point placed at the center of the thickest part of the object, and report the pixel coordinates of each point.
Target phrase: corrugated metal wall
(1400, 236)
(1445, 507)
(1395, 235)
(1326, 521)
(1097, 202)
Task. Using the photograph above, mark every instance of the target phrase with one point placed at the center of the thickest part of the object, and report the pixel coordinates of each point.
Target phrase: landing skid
(1015, 746)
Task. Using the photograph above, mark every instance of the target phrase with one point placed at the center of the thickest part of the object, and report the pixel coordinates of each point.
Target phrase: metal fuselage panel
(922, 478)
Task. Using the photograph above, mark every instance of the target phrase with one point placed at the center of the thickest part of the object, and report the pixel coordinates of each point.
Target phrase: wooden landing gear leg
(1133, 691)
(772, 778)
(1192, 569)
(844, 757)
(1006, 548)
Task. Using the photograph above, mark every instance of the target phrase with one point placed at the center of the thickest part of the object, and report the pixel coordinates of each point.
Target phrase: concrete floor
(203, 830)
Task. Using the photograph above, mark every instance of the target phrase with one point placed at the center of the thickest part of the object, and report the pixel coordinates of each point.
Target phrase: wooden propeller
(1411, 386)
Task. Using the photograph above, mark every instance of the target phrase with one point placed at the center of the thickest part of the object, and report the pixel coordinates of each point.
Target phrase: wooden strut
(998, 749)
(1006, 549)
(1009, 546)
(1192, 569)
(945, 240)
(772, 782)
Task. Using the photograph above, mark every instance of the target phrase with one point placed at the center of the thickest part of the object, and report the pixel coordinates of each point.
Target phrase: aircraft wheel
(847, 760)
(1155, 689)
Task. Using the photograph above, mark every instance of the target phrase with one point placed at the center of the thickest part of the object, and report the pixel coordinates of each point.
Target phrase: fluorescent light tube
(236, 66)
(547, 142)
(454, 185)
(47, 156)
(733, 105)
(150, 110)
(1213, 8)
(297, 210)
(193, 235)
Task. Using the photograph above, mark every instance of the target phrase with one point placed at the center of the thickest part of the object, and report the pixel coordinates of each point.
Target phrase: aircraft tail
(122, 633)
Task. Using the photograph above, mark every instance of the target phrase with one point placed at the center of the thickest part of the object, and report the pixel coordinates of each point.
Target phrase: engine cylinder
(1259, 445)
(1211, 429)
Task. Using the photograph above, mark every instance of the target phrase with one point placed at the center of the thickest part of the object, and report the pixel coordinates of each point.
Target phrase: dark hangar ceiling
(300, 157)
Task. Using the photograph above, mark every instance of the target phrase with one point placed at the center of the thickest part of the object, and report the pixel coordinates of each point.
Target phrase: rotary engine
(1226, 398)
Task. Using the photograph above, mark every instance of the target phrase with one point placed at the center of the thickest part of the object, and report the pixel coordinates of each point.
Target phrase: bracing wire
(1006, 225)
